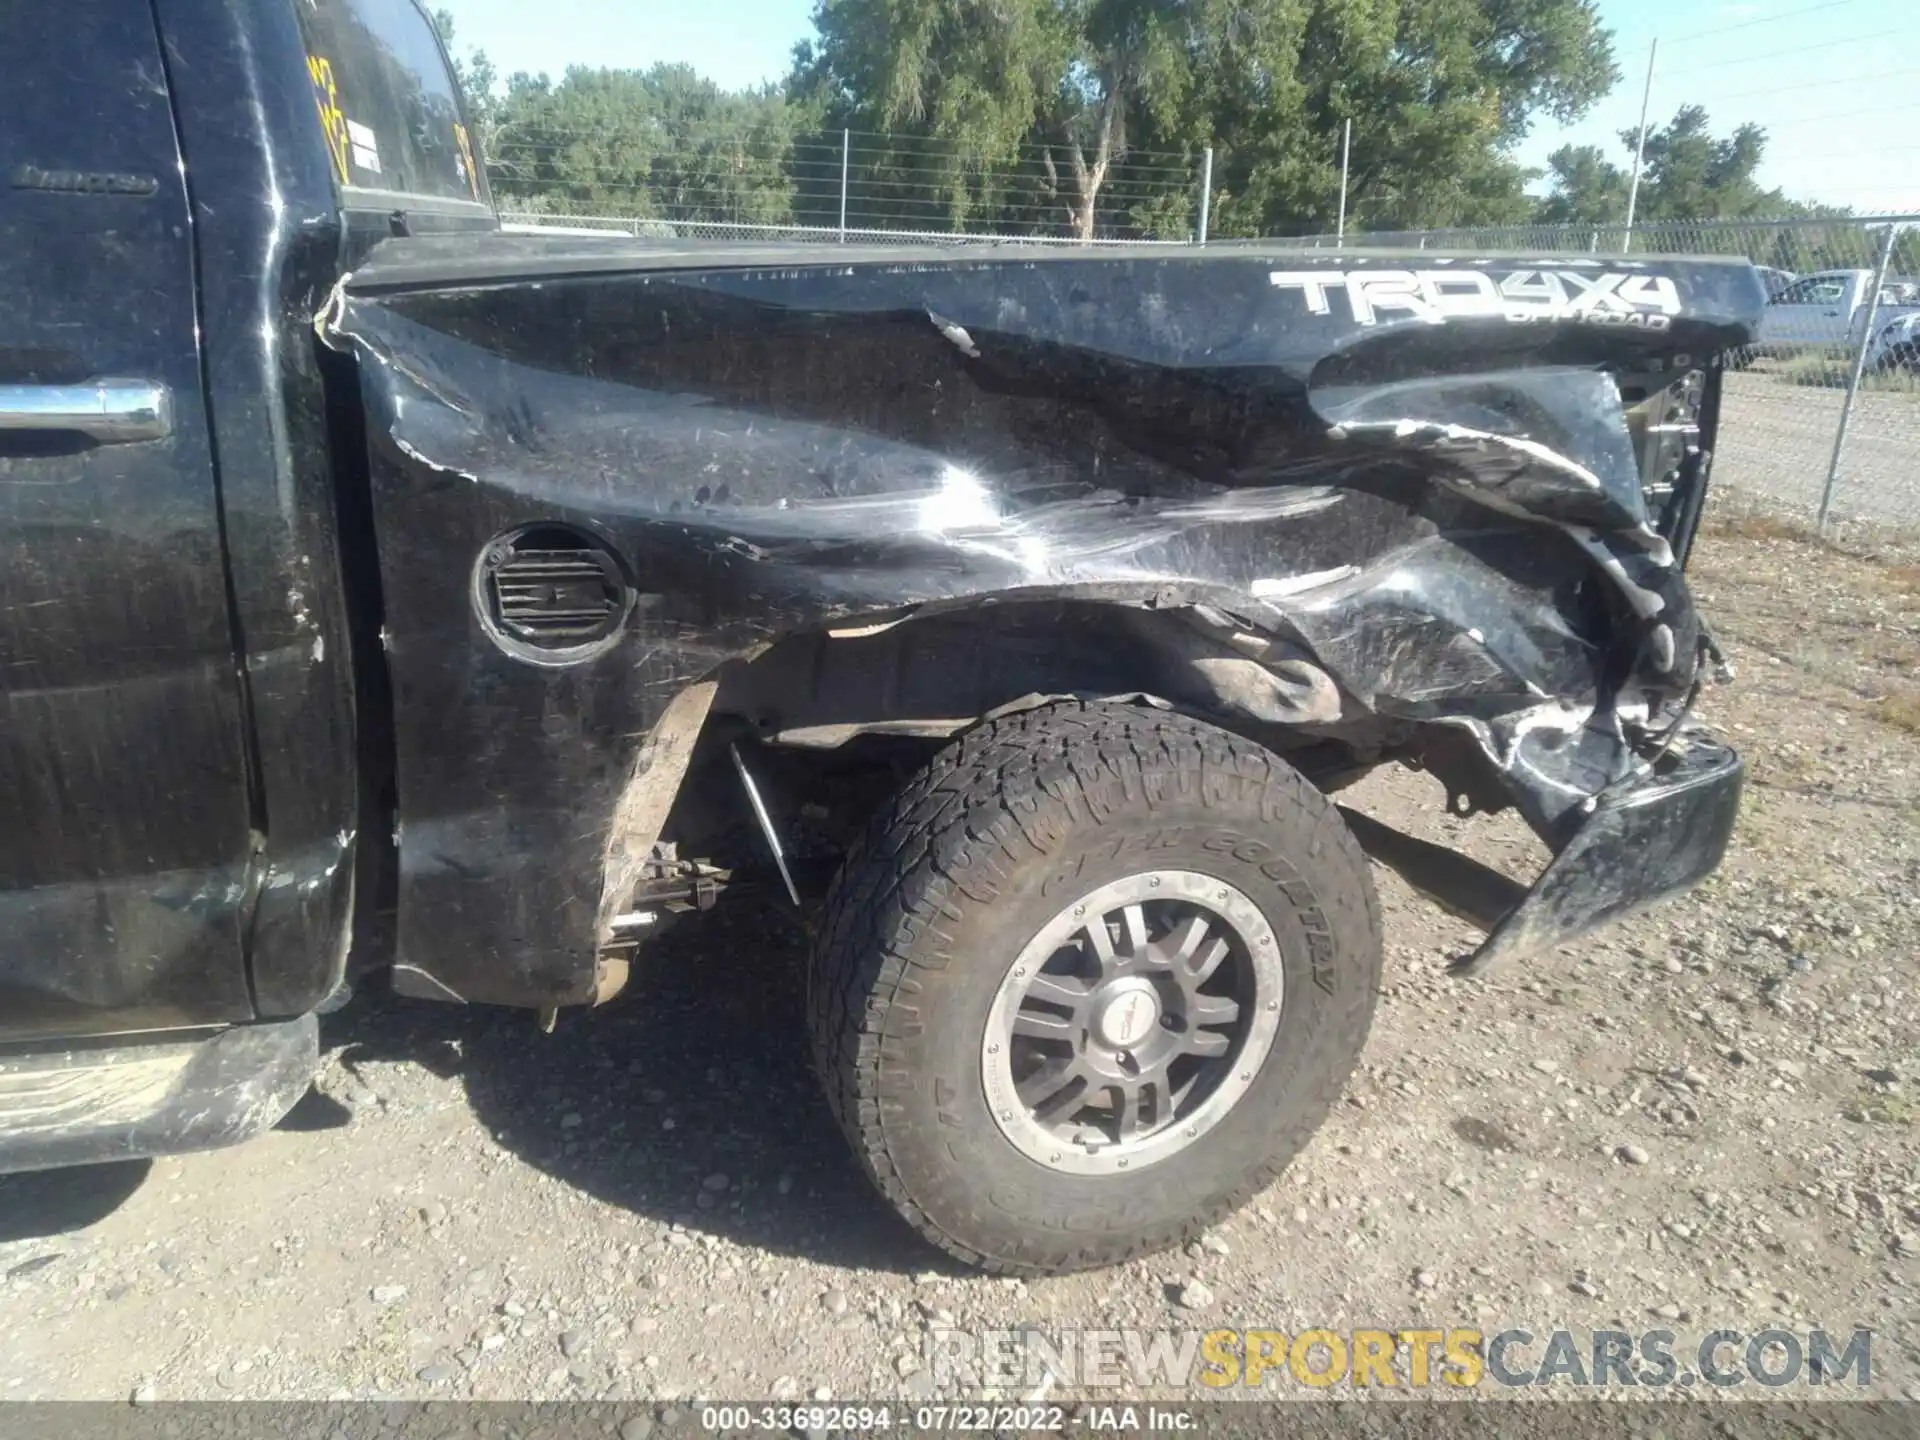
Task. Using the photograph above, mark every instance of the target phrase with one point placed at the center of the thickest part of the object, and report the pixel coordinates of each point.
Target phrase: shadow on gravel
(44, 1203)
(700, 1070)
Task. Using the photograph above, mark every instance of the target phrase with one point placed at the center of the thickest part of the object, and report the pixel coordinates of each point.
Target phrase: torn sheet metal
(1427, 482)
(148, 1096)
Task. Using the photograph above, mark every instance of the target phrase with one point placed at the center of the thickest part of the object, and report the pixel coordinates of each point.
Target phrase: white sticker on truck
(1520, 296)
(364, 146)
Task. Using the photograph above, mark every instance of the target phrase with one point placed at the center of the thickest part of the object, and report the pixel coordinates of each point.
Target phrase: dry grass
(1891, 651)
(1882, 1110)
(1904, 577)
(1752, 524)
(1824, 371)
(1733, 515)
(1901, 711)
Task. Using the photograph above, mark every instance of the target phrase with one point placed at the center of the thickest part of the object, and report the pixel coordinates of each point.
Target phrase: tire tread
(970, 812)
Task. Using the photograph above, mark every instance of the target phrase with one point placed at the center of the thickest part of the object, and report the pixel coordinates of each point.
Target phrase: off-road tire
(958, 873)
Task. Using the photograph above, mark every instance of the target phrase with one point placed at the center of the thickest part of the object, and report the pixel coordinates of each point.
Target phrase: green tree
(1587, 188)
(1439, 93)
(956, 88)
(1687, 174)
(1062, 90)
(478, 82)
(661, 143)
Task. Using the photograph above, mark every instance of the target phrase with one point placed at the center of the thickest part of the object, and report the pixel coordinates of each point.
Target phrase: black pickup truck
(386, 599)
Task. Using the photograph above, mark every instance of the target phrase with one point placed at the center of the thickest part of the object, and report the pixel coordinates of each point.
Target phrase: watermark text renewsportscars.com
(1320, 1359)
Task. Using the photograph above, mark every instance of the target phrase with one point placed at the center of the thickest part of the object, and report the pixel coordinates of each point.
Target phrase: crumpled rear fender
(1445, 514)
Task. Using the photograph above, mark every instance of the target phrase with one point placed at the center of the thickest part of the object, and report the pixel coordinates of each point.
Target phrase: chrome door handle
(110, 411)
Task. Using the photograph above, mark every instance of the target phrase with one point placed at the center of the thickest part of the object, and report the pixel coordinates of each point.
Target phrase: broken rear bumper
(1645, 838)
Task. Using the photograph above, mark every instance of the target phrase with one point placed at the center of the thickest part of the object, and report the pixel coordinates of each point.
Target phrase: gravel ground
(1704, 1117)
(1776, 444)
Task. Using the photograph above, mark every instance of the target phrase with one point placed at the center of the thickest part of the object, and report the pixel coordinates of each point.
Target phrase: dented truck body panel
(382, 594)
(1427, 495)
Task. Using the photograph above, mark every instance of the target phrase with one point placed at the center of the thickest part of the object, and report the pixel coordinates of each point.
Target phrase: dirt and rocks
(1704, 1118)
(1776, 444)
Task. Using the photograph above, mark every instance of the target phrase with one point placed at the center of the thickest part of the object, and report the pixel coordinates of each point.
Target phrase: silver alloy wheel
(1132, 1023)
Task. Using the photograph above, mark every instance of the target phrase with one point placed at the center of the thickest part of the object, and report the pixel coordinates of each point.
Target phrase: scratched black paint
(180, 743)
(124, 816)
(218, 646)
(1448, 517)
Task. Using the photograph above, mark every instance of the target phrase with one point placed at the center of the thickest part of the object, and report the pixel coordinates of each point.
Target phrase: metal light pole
(1640, 148)
(1206, 193)
(846, 154)
(1346, 173)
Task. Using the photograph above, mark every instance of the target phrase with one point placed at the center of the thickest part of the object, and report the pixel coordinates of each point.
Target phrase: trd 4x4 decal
(1592, 297)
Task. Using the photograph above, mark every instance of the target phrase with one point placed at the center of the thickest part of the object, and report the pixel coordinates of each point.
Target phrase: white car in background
(1826, 311)
(1896, 346)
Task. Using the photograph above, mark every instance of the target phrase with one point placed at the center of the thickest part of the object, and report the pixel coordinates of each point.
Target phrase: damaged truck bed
(1356, 510)
(394, 602)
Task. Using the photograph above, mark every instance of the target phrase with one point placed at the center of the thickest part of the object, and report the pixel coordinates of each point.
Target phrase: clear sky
(1831, 80)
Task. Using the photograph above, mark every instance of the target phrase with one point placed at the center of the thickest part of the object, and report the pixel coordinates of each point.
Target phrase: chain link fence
(528, 222)
(845, 181)
(1821, 418)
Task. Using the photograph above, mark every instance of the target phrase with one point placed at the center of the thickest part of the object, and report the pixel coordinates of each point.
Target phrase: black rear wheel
(1089, 982)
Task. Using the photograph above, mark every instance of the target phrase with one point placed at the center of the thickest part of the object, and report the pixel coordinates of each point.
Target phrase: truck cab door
(125, 823)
